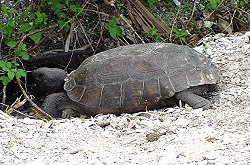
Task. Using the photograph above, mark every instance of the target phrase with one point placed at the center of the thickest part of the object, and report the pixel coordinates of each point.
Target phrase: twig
(17, 104)
(33, 32)
(132, 28)
(36, 45)
(86, 36)
(174, 22)
(4, 95)
(32, 117)
(212, 11)
(31, 102)
(192, 14)
(4, 116)
(1, 45)
(155, 21)
(68, 38)
(98, 12)
(101, 33)
(67, 42)
(231, 21)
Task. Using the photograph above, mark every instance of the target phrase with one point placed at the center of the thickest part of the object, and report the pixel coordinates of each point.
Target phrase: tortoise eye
(40, 75)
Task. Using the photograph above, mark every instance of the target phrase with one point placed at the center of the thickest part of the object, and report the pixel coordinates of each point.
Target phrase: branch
(31, 102)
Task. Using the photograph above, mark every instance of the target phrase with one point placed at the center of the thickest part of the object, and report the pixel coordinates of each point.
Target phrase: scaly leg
(193, 100)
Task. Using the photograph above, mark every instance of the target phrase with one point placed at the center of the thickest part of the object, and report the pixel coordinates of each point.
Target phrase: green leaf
(57, 6)
(119, 5)
(151, 2)
(41, 19)
(12, 11)
(8, 31)
(5, 80)
(11, 74)
(112, 32)
(11, 23)
(61, 24)
(22, 52)
(61, 15)
(14, 64)
(213, 4)
(73, 8)
(22, 46)
(36, 37)
(153, 34)
(184, 40)
(4, 9)
(20, 73)
(25, 27)
(3, 65)
(152, 31)
(242, 3)
(113, 22)
(11, 43)
(1, 26)
(157, 38)
(64, 25)
(115, 32)
(8, 65)
(184, 32)
(41, 16)
(24, 55)
(176, 30)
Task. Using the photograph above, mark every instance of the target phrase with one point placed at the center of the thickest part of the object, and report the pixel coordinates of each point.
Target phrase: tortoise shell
(137, 76)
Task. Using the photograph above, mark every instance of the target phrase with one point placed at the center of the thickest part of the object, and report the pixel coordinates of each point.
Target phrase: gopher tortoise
(129, 79)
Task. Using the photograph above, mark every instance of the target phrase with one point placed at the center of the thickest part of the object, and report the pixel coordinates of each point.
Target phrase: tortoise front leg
(193, 100)
(57, 104)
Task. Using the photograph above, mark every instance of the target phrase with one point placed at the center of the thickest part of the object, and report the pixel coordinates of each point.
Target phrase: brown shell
(136, 77)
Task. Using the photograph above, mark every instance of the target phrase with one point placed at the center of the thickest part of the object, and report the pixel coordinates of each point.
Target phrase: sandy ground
(168, 136)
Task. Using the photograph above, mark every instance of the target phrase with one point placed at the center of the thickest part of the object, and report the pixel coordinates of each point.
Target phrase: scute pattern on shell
(137, 76)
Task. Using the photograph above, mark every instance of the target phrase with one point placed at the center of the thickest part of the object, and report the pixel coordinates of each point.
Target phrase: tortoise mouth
(69, 82)
(39, 77)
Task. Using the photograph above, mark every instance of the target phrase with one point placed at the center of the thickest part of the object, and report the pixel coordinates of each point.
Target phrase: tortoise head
(49, 80)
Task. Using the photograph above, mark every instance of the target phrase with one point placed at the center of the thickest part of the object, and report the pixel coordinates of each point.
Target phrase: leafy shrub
(114, 30)
(153, 34)
(21, 27)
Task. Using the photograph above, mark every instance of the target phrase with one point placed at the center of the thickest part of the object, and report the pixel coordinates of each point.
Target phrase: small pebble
(152, 137)
(181, 121)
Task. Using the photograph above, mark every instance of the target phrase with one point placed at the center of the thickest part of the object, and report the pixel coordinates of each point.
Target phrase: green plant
(180, 35)
(10, 70)
(15, 26)
(213, 4)
(242, 21)
(151, 2)
(64, 11)
(22, 27)
(153, 34)
(119, 5)
(114, 30)
(243, 3)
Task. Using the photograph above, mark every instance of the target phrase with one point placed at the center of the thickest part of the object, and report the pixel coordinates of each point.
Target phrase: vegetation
(114, 30)
(187, 18)
(20, 28)
(153, 34)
